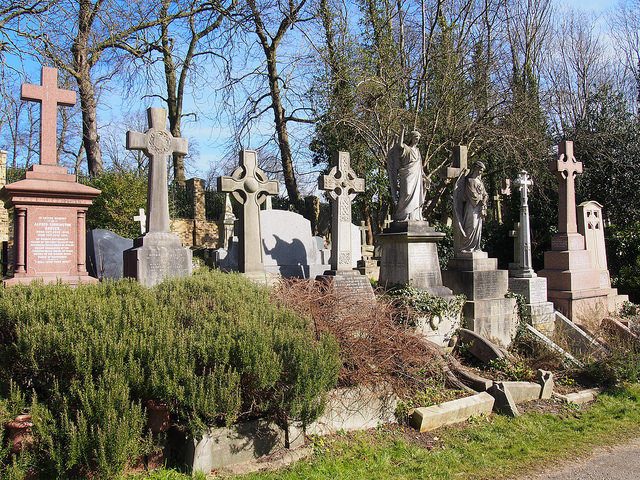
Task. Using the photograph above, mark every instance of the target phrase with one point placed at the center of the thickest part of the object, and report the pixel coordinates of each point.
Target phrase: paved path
(621, 462)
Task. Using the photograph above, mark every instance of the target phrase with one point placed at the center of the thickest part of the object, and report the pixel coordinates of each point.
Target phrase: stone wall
(196, 232)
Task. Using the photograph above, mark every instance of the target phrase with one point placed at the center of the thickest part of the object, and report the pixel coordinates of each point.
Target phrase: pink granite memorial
(49, 206)
(573, 280)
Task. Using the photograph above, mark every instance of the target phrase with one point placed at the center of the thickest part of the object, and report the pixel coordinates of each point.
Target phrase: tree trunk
(281, 130)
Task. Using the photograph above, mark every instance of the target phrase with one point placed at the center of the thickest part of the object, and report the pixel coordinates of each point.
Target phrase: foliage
(623, 257)
(180, 204)
(497, 447)
(212, 347)
(433, 392)
(123, 194)
(513, 369)
(620, 364)
(421, 303)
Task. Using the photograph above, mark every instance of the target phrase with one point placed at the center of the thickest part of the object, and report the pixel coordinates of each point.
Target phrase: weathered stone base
(438, 330)
(155, 257)
(410, 257)
(585, 307)
(429, 418)
(68, 279)
(495, 319)
(349, 284)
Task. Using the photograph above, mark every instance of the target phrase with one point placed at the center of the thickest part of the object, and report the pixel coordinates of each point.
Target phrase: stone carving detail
(406, 178)
(469, 209)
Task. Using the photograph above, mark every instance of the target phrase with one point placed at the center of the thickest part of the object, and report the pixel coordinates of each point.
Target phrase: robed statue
(404, 166)
(470, 200)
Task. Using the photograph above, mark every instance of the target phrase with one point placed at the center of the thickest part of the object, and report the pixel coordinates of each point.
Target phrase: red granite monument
(48, 205)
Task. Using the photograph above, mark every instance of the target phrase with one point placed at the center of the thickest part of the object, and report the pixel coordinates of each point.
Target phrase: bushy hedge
(85, 359)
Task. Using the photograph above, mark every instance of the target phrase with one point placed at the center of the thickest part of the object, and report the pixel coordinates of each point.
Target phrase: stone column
(525, 269)
(82, 268)
(19, 239)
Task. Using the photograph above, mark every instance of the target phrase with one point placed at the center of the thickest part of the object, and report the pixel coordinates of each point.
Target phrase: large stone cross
(250, 187)
(342, 184)
(523, 182)
(49, 96)
(566, 168)
(158, 145)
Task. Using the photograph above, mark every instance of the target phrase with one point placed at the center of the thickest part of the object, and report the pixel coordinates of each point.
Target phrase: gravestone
(158, 254)
(522, 279)
(105, 251)
(342, 185)
(573, 280)
(49, 205)
(471, 272)
(250, 187)
(141, 218)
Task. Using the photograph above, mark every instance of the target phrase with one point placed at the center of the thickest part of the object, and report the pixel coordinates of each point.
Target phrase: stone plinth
(487, 311)
(410, 257)
(534, 291)
(49, 209)
(349, 284)
(157, 256)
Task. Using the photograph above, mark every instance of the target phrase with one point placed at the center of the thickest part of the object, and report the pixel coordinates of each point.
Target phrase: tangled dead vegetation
(375, 348)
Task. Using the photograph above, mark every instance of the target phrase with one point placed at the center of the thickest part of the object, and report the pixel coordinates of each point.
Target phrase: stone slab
(477, 285)
(581, 397)
(104, 253)
(426, 419)
(479, 347)
(155, 257)
(357, 408)
(553, 346)
(545, 379)
(349, 284)
(523, 391)
(438, 330)
(567, 241)
(494, 319)
(472, 264)
(534, 290)
(576, 339)
(504, 401)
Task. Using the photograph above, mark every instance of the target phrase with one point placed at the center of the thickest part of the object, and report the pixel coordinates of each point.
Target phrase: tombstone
(105, 251)
(158, 254)
(288, 248)
(342, 184)
(515, 234)
(472, 273)
(49, 205)
(250, 187)
(141, 218)
(226, 223)
(522, 279)
(573, 280)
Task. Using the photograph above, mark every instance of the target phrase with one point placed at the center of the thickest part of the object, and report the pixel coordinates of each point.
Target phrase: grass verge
(490, 448)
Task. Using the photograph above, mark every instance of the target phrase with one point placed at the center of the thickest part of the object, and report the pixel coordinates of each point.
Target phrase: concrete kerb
(581, 397)
(425, 419)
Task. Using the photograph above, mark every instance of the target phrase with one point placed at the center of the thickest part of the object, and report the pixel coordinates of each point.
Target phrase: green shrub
(123, 194)
(212, 347)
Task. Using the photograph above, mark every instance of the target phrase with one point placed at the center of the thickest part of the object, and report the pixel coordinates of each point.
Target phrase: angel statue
(469, 209)
(404, 166)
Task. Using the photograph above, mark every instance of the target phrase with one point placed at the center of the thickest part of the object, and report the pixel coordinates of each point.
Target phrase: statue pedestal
(410, 257)
(487, 311)
(534, 291)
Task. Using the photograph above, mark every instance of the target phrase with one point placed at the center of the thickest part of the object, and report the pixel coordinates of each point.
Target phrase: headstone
(49, 205)
(573, 280)
(158, 254)
(105, 253)
(545, 379)
(471, 272)
(590, 225)
(141, 218)
(250, 187)
(522, 279)
(342, 184)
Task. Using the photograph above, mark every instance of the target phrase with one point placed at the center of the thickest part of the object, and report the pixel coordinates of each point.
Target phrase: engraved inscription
(52, 242)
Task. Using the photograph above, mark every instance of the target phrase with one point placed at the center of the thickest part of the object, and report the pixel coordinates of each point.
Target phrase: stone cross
(49, 96)
(342, 184)
(142, 219)
(363, 233)
(523, 182)
(515, 234)
(459, 162)
(250, 187)
(566, 168)
(158, 145)
(497, 198)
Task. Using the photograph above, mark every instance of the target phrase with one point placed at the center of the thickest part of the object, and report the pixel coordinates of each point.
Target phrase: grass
(487, 448)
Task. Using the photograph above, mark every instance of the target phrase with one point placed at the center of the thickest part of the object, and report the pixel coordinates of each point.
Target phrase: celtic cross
(342, 184)
(250, 187)
(157, 144)
(566, 168)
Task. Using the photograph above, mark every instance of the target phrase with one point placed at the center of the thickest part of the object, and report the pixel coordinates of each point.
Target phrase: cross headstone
(142, 219)
(523, 182)
(49, 96)
(458, 163)
(566, 168)
(158, 145)
(250, 187)
(363, 232)
(342, 184)
(497, 199)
